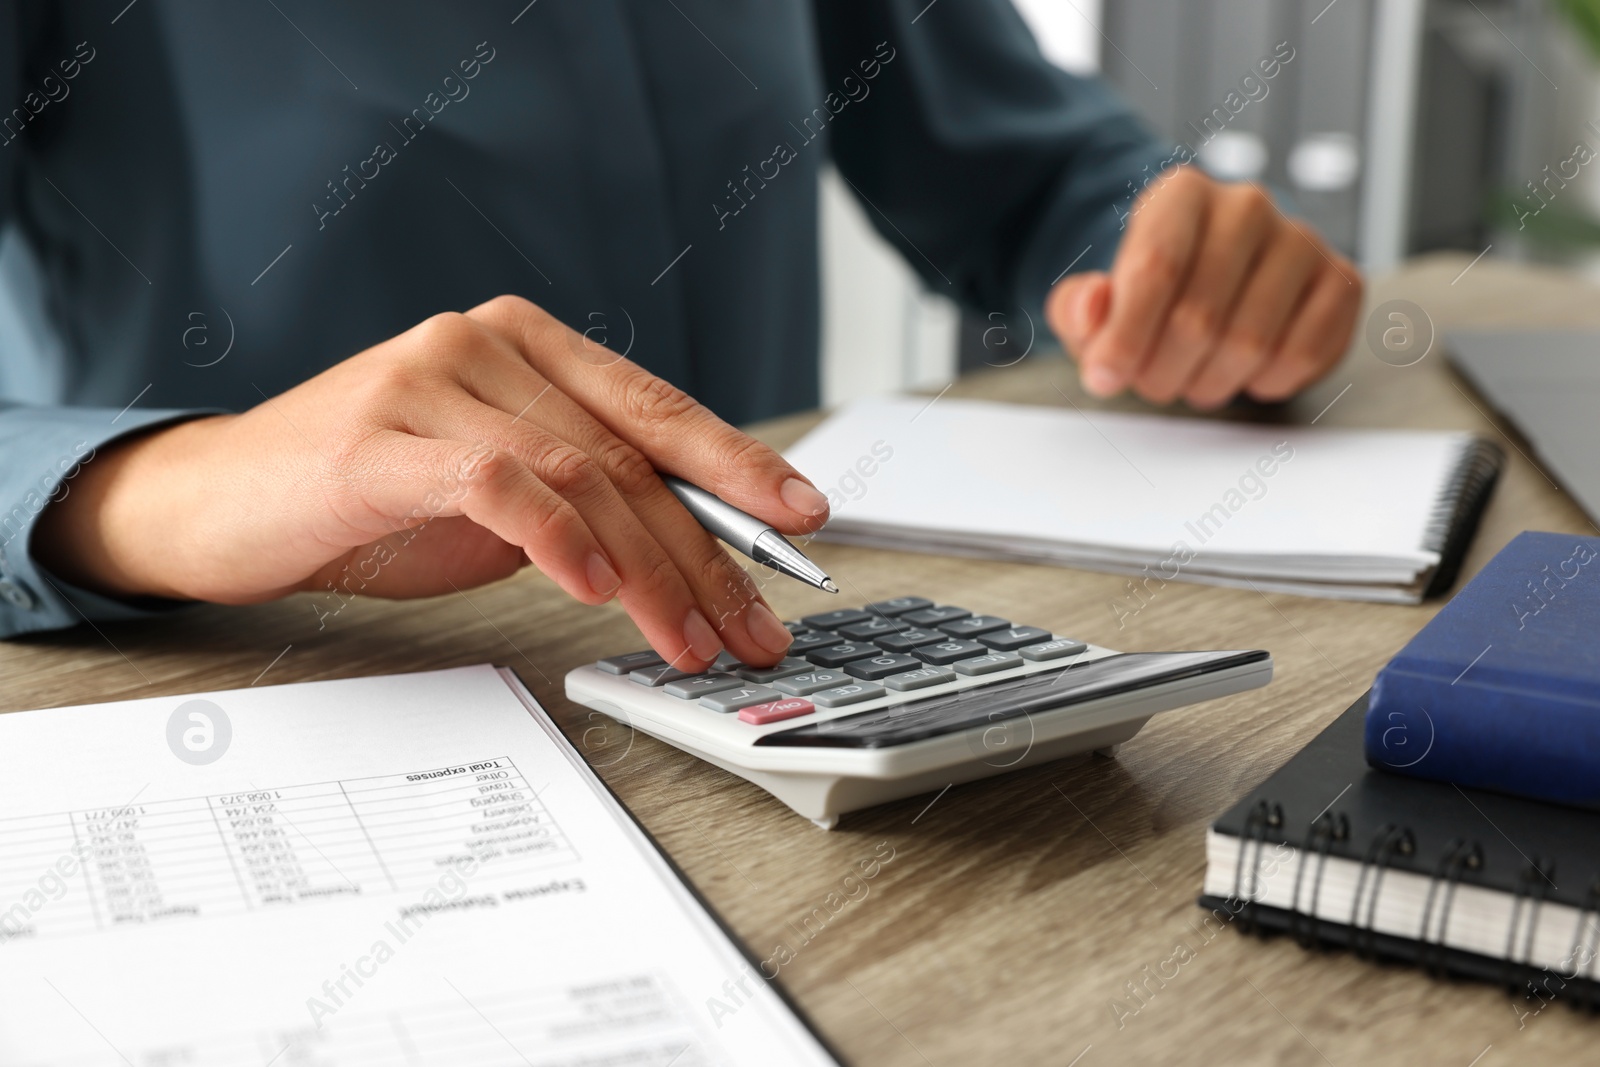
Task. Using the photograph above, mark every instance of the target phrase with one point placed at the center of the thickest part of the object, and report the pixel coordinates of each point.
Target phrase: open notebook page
(1048, 482)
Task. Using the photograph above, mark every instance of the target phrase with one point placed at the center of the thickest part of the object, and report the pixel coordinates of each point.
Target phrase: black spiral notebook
(1455, 880)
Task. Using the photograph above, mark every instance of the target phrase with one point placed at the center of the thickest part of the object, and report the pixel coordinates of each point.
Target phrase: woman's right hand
(444, 458)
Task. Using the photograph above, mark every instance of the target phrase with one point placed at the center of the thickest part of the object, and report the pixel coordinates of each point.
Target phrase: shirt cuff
(43, 450)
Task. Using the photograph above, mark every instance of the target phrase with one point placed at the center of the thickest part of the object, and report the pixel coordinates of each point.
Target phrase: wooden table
(1015, 909)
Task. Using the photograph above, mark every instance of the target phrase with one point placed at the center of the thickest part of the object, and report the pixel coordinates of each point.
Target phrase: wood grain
(1016, 910)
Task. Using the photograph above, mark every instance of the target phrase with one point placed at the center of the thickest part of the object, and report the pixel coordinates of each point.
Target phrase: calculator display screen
(982, 706)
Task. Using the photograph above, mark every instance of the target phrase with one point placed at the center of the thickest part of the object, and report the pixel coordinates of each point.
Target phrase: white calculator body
(902, 697)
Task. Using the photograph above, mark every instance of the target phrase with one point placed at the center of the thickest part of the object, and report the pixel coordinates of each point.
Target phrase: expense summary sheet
(407, 870)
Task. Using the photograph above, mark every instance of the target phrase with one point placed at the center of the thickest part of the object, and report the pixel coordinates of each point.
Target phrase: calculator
(905, 696)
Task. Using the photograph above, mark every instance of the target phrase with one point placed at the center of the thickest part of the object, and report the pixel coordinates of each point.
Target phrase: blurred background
(1399, 127)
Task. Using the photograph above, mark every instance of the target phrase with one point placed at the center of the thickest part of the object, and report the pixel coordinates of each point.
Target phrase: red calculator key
(775, 711)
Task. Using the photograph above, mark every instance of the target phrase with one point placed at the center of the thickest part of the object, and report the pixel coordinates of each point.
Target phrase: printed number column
(156, 862)
(297, 843)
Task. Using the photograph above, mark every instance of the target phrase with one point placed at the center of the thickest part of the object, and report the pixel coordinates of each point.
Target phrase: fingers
(412, 480)
(1238, 225)
(1077, 308)
(1214, 292)
(676, 434)
(1318, 336)
(639, 520)
(1150, 270)
(1260, 319)
(634, 566)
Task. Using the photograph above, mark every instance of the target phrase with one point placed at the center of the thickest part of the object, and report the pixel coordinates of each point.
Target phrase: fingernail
(803, 497)
(603, 578)
(702, 639)
(765, 629)
(1102, 380)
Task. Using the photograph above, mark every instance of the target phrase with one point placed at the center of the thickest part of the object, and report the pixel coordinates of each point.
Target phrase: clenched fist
(1213, 293)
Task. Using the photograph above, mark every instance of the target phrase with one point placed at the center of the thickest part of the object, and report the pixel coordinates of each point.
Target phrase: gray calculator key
(767, 675)
(839, 654)
(1053, 650)
(832, 620)
(726, 661)
(794, 626)
(899, 605)
(732, 700)
(806, 640)
(994, 661)
(840, 695)
(973, 625)
(873, 628)
(699, 685)
(630, 662)
(920, 679)
(803, 685)
(1014, 638)
(906, 640)
(949, 651)
(934, 616)
(881, 666)
(660, 674)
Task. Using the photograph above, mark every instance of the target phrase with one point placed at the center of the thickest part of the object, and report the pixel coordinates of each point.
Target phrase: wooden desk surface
(1016, 909)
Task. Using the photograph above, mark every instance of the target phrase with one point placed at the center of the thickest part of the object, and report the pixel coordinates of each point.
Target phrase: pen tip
(827, 583)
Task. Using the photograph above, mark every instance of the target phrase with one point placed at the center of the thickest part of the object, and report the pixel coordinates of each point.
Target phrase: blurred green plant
(1585, 15)
(1557, 227)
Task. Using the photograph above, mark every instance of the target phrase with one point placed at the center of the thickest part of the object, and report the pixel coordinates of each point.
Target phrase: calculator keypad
(632, 661)
(697, 686)
(873, 628)
(950, 651)
(854, 693)
(1049, 650)
(899, 605)
(840, 654)
(767, 675)
(803, 685)
(878, 667)
(743, 697)
(1016, 637)
(660, 674)
(906, 640)
(832, 620)
(934, 616)
(920, 678)
(851, 656)
(973, 625)
(806, 640)
(994, 661)
(776, 711)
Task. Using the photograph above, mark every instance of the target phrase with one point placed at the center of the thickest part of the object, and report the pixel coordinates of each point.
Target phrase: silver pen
(748, 534)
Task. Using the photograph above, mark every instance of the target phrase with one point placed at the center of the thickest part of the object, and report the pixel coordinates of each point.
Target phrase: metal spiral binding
(1325, 830)
(1389, 840)
(1262, 816)
(1457, 857)
(1534, 877)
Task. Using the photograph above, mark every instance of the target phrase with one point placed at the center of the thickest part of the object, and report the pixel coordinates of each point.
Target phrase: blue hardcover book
(1502, 689)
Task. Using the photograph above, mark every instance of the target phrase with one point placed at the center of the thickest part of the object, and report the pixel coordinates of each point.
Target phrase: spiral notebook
(1456, 880)
(1354, 514)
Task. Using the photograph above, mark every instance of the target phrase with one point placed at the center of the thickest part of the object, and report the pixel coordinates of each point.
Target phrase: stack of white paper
(1355, 514)
(407, 870)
